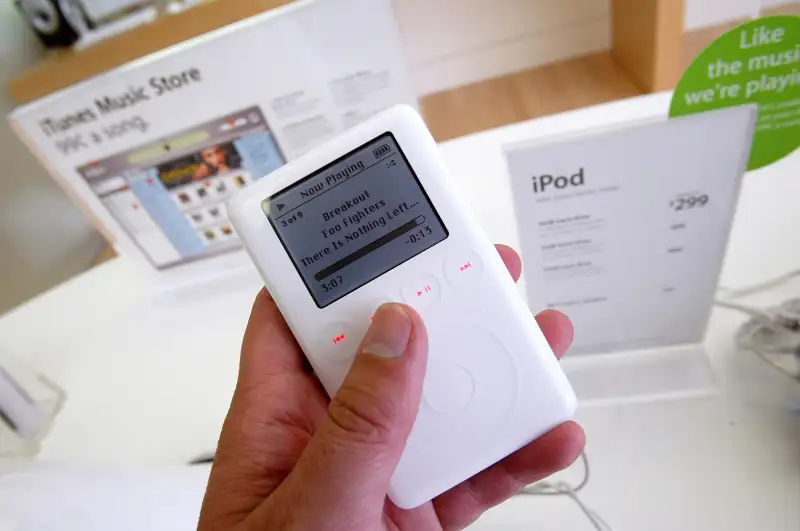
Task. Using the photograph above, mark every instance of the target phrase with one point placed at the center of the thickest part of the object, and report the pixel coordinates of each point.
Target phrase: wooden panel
(550, 89)
(646, 38)
(105, 254)
(69, 68)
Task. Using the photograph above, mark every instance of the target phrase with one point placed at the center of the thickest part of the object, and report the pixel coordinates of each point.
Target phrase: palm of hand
(278, 406)
(278, 415)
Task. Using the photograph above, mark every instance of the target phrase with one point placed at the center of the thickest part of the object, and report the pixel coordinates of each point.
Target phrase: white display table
(151, 384)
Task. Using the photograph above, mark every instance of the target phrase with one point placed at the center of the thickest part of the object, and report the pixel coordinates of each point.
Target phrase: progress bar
(368, 248)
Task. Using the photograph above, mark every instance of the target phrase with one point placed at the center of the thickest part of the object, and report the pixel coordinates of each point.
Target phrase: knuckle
(362, 415)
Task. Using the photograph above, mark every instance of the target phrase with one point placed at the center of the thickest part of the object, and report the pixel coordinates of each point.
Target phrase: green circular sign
(758, 62)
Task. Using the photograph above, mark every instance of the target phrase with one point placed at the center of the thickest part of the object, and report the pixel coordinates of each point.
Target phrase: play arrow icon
(280, 206)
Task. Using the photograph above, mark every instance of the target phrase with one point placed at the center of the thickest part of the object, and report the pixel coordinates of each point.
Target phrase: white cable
(546, 488)
(770, 332)
(734, 293)
(561, 488)
(784, 319)
(779, 368)
(749, 310)
(781, 325)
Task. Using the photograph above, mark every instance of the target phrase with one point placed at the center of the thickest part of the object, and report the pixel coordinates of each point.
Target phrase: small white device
(17, 409)
(373, 216)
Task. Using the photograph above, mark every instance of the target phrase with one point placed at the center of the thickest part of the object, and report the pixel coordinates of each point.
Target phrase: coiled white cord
(562, 488)
(773, 334)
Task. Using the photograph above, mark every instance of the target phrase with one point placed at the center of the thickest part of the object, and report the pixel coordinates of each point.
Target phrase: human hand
(291, 459)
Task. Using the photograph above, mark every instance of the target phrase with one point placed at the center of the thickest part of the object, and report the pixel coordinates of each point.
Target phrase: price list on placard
(625, 230)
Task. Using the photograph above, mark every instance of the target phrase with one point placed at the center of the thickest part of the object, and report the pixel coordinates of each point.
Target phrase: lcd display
(355, 219)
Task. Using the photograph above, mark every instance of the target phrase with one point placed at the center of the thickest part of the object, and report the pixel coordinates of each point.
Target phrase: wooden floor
(541, 91)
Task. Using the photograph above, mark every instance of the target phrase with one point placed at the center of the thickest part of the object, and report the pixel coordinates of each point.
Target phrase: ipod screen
(354, 220)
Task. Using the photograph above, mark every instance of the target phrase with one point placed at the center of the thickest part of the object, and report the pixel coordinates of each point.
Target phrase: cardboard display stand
(152, 150)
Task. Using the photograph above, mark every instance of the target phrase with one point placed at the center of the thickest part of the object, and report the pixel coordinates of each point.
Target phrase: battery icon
(381, 151)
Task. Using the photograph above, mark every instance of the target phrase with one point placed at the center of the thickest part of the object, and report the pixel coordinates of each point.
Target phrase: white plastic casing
(492, 383)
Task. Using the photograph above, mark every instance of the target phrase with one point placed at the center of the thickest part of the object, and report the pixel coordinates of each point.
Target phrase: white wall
(456, 42)
(44, 239)
(705, 13)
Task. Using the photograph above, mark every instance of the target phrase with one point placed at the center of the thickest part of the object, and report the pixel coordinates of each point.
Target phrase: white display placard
(625, 230)
(153, 149)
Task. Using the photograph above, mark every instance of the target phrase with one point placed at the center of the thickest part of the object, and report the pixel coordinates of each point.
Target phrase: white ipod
(373, 216)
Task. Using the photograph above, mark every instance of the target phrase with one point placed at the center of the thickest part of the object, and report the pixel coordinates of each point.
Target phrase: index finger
(558, 330)
(511, 260)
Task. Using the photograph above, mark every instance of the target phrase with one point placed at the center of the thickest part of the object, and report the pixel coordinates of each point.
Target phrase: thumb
(346, 468)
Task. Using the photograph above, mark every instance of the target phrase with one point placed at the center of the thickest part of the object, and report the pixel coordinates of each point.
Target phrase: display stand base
(205, 283)
(29, 403)
(201, 290)
(640, 376)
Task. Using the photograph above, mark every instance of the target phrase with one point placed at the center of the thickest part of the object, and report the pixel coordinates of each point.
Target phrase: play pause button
(280, 206)
(422, 293)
